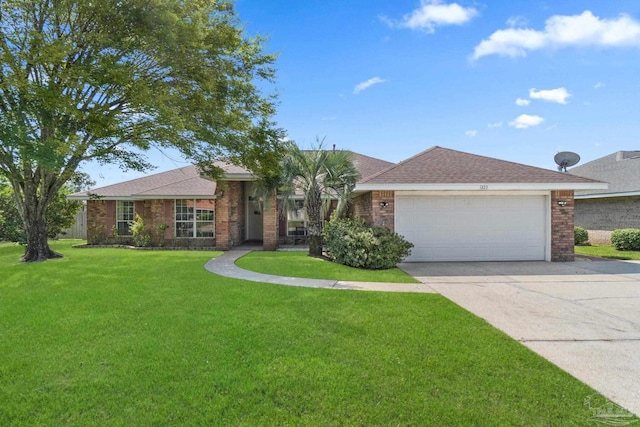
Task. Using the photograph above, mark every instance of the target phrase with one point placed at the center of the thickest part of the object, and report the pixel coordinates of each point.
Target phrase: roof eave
(482, 186)
(607, 195)
(141, 197)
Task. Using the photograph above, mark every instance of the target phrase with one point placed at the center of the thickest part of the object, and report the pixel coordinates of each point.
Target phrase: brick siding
(562, 234)
(98, 230)
(101, 219)
(608, 213)
(361, 208)
(601, 216)
(368, 207)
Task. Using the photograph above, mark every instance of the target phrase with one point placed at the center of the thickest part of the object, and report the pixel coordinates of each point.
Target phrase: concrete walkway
(224, 265)
(583, 316)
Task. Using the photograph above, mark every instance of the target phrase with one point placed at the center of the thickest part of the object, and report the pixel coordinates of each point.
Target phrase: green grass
(299, 264)
(119, 337)
(607, 251)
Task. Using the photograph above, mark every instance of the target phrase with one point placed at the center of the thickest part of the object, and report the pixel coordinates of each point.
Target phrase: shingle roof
(182, 182)
(621, 170)
(368, 166)
(439, 165)
(436, 165)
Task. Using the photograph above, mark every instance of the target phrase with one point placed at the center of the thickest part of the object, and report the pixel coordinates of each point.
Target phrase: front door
(254, 219)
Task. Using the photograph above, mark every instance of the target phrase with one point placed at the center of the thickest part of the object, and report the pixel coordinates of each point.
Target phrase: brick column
(383, 216)
(562, 234)
(223, 232)
(236, 211)
(270, 224)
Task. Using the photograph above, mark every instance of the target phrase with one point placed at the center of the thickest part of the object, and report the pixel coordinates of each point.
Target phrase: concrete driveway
(583, 316)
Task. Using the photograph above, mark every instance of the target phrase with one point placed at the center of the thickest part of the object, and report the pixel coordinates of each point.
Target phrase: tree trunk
(37, 247)
(315, 246)
(314, 228)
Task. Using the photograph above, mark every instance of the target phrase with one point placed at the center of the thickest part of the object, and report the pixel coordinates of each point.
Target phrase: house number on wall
(484, 187)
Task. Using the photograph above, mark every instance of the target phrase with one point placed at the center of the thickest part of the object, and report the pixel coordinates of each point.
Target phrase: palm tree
(319, 176)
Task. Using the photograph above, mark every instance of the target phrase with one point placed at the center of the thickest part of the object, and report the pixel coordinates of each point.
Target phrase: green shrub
(626, 239)
(580, 236)
(140, 237)
(350, 242)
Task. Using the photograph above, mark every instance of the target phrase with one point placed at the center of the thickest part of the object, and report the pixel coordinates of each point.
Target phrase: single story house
(453, 206)
(601, 211)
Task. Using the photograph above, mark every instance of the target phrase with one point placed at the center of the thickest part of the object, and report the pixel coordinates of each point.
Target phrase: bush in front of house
(626, 239)
(581, 236)
(351, 242)
(140, 236)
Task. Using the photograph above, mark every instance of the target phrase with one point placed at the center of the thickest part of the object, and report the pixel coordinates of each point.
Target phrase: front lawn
(607, 251)
(120, 337)
(299, 264)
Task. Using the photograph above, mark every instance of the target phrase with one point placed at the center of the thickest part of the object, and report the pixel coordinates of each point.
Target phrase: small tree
(140, 234)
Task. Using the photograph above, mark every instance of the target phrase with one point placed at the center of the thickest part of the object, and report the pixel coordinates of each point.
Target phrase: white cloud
(495, 125)
(434, 13)
(471, 133)
(367, 84)
(522, 102)
(598, 85)
(516, 21)
(561, 31)
(558, 95)
(524, 121)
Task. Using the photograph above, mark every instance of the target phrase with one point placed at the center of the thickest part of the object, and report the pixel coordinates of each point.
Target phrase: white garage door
(473, 228)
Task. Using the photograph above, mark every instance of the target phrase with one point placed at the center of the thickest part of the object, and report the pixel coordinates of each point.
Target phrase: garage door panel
(476, 228)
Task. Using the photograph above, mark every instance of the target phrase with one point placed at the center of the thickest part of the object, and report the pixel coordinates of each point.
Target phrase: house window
(297, 219)
(195, 218)
(124, 216)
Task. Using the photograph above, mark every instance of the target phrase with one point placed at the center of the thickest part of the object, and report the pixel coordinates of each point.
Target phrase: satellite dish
(565, 159)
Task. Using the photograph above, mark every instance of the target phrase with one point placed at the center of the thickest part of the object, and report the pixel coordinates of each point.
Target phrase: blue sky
(514, 80)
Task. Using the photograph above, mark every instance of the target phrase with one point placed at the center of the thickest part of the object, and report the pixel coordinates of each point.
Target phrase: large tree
(60, 212)
(318, 176)
(107, 80)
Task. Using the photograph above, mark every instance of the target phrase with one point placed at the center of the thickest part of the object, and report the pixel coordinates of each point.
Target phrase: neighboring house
(601, 211)
(452, 206)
